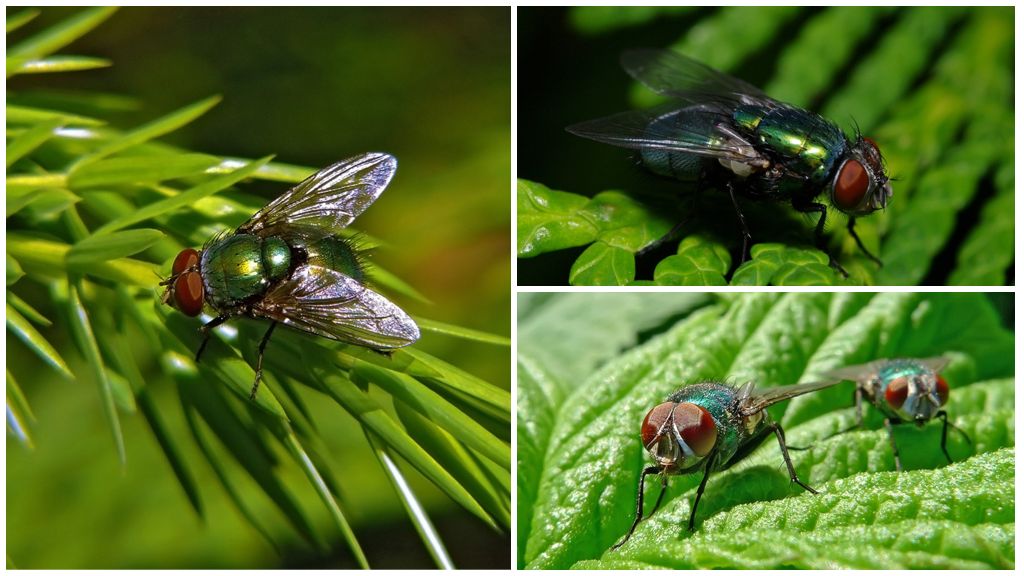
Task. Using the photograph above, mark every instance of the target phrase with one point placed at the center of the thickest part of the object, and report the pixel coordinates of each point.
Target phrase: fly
(289, 264)
(721, 132)
(710, 426)
(904, 390)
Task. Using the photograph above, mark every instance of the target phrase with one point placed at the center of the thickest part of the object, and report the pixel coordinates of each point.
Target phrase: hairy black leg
(945, 429)
(849, 226)
(259, 360)
(819, 232)
(640, 502)
(205, 331)
(745, 255)
(700, 489)
(785, 456)
(892, 441)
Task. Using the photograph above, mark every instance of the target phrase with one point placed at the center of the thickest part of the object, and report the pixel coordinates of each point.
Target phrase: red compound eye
(188, 293)
(942, 388)
(870, 141)
(851, 185)
(896, 392)
(654, 422)
(186, 259)
(696, 426)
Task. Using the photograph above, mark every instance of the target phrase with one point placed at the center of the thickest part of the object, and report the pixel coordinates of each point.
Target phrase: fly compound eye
(188, 293)
(896, 392)
(187, 258)
(942, 388)
(654, 425)
(851, 185)
(696, 427)
(870, 141)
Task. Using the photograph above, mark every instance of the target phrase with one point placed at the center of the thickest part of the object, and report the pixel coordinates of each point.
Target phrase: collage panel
(258, 288)
(765, 430)
(752, 146)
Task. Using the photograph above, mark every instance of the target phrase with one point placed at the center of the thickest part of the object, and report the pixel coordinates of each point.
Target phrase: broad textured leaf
(581, 481)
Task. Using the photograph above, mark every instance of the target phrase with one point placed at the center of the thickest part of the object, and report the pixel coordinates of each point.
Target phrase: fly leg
(819, 232)
(785, 456)
(745, 255)
(700, 489)
(849, 226)
(945, 428)
(259, 360)
(892, 442)
(640, 502)
(205, 331)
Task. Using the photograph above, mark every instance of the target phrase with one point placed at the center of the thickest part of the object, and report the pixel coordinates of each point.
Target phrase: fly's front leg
(743, 224)
(849, 226)
(640, 502)
(819, 231)
(259, 360)
(785, 456)
(205, 331)
(700, 489)
(945, 428)
(892, 442)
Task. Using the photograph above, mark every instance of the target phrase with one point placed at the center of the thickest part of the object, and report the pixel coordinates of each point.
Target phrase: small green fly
(288, 264)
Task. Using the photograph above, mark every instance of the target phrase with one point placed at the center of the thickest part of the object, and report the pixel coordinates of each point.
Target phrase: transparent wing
(703, 130)
(760, 399)
(330, 304)
(856, 373)
(672, 74)
(936, 364)
(330, 199)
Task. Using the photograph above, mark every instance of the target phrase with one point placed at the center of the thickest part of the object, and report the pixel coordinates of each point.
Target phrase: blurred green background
(313, 86)
(932, 85)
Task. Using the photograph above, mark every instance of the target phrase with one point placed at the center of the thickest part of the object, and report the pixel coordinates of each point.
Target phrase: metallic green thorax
(243, 267)
(720, 401)
(810, 144)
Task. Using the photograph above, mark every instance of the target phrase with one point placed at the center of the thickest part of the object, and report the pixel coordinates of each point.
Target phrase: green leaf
(60, 35)
(30, 140)
(186, 198)
(434, 407)
(53, 64)
(601, 19)
(461, 332)
(46, 257)
(14, 271)
(35, 341)
(110, 246)
(28, 115)
(602, 264)
(988, 251)
(140, 170)
(697, 261)
(780, 265)
(313, 475)
(19, 413)
(81, 328)
(582, 456)
(549, 220)
(20, 19)
(146, 132)
(418, 516)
